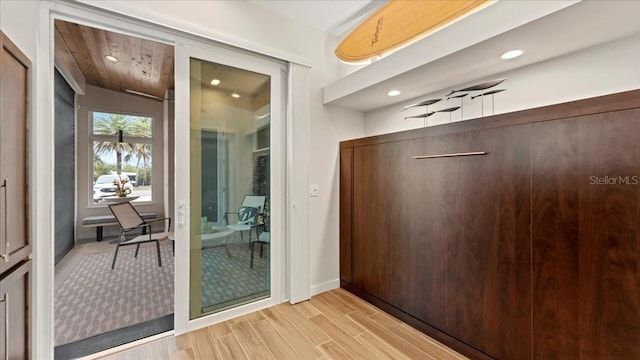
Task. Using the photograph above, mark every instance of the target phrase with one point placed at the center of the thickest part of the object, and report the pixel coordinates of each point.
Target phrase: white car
(104, 186)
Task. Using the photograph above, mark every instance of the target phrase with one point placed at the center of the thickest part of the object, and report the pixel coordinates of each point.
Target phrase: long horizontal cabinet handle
(473, 153)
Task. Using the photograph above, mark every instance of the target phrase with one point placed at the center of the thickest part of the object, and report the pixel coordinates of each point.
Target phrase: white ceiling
(467, 50)
(332, 16)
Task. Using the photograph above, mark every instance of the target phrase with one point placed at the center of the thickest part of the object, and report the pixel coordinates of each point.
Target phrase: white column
(298, 157)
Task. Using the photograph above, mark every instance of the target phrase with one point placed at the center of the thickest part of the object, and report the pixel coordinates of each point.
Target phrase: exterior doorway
(110, 127)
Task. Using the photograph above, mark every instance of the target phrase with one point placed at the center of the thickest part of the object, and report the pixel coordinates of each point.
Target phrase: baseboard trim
(324, 287)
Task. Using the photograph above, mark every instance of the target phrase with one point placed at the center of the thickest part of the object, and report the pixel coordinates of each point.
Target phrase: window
(129, 160)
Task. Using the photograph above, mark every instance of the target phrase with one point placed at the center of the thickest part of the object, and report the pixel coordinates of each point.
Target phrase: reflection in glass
(230, 187)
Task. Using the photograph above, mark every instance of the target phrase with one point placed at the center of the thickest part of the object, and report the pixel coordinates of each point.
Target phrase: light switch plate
(313, 190)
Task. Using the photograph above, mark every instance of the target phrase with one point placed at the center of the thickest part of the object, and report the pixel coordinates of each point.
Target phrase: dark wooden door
(586, 251)
(488, 242)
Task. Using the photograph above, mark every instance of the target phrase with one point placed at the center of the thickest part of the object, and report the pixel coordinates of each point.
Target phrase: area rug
(227, 279)
(94, 299)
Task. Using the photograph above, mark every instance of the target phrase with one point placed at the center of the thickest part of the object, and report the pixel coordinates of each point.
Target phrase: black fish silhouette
(451, 109)
(489, 93)
(420, 116)
(457, 96)
(422, 103)
(482, 86)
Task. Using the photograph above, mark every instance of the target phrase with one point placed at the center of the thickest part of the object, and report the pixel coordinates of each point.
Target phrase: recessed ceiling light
(111, 58)
(215, 82)
(394, 93)
(511, 54)
(235, 95)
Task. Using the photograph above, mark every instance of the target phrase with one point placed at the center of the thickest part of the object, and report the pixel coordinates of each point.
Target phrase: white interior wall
(101, 99)
(19, 20)
(329, 126)
(605, 69)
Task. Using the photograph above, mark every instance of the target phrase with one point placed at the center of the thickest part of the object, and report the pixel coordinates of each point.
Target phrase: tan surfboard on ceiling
(400, 22)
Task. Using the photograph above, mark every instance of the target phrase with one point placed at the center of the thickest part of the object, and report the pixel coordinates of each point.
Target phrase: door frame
(184, 52)
(42, 150)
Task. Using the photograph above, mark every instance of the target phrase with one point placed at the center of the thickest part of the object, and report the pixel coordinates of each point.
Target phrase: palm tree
(100, 167)
(110, 124)
(143, 153)
(142, 128)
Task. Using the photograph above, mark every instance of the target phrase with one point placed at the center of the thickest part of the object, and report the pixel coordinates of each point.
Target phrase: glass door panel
(229, 203)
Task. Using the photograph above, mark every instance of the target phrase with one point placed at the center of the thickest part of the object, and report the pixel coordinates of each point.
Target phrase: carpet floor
(228, 280)
(93, 299)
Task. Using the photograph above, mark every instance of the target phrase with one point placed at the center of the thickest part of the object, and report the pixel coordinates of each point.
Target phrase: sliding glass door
(228, 148)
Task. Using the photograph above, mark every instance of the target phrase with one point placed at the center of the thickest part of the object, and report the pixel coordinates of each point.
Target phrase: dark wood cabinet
(15, 245)
(530, 251)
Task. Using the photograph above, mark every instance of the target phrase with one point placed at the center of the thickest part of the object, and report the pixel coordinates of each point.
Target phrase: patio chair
(247, 214)
(132, 224)
(262, 237)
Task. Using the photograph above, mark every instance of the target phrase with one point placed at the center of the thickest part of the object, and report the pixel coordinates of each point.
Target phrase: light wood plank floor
(333, 325)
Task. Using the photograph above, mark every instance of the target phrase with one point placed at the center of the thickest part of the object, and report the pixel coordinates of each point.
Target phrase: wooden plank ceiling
(143, 65)
(147, 67)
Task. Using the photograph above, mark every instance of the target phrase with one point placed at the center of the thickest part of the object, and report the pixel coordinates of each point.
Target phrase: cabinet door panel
(609, 218)
(13, 155)
(489, 244)
(586, 249)
(428, 204)
(380, 235)
(555, 183)
(14, 312)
